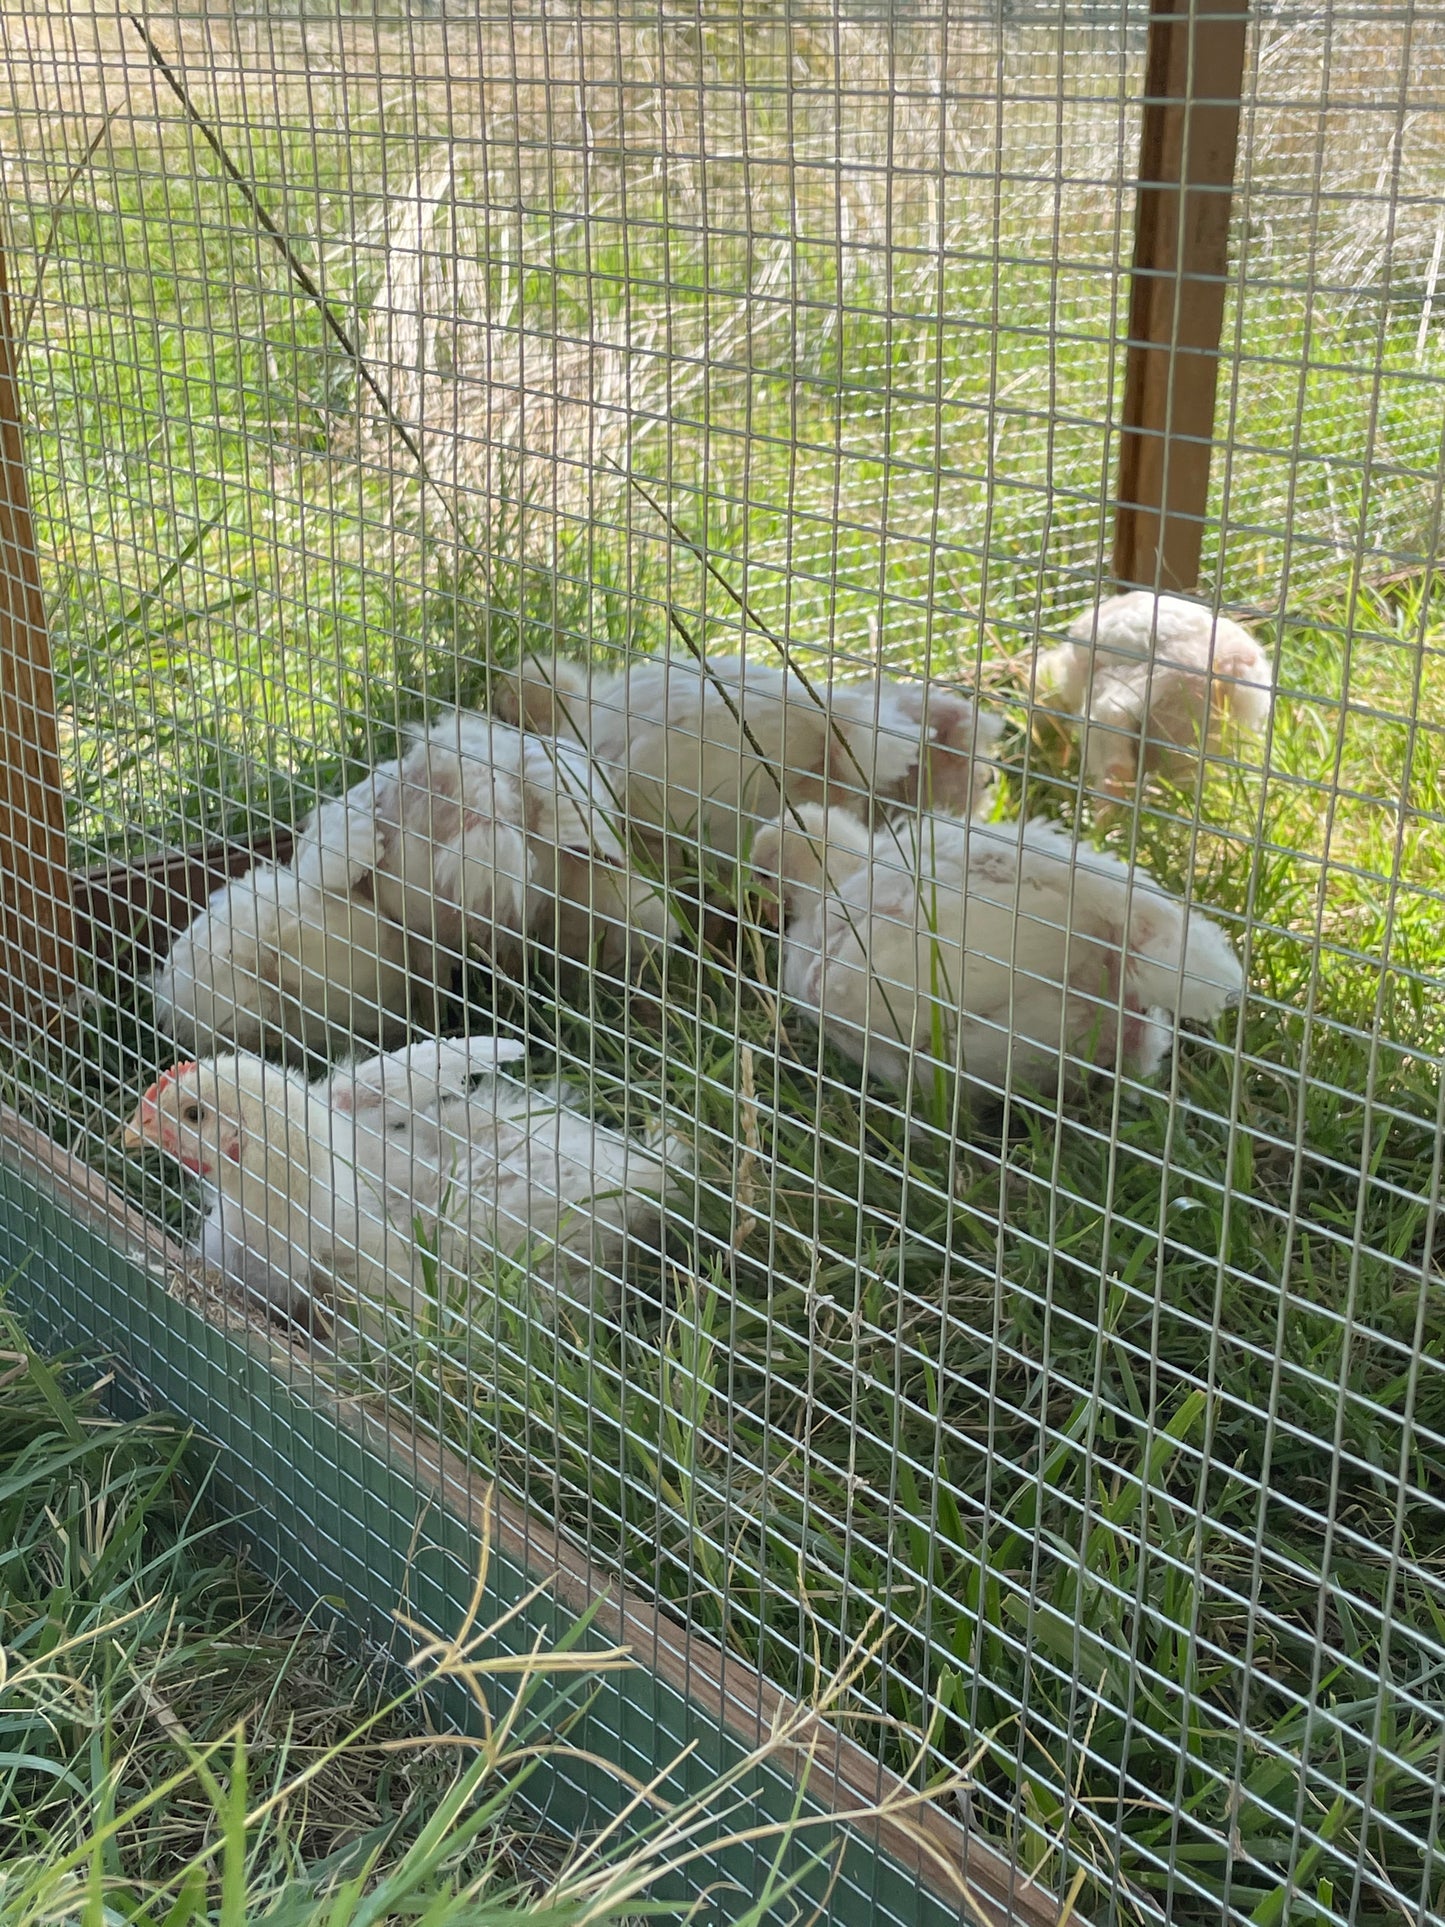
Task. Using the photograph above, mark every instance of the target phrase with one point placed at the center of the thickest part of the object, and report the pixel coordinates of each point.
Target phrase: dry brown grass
(856, 135)
(799, 164)
(790, 163)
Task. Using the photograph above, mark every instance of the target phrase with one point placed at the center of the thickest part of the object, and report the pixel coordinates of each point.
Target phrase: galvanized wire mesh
(1114, 1418)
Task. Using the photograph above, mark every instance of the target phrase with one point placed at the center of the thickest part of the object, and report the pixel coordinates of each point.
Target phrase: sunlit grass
(178, 1743)
(180, 1746)
(1133, 1421)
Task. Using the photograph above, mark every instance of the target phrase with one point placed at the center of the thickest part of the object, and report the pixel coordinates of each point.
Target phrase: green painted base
(344, 1505)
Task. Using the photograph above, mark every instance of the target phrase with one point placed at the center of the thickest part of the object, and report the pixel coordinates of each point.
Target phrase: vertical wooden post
(37, 955)
(1193, 87)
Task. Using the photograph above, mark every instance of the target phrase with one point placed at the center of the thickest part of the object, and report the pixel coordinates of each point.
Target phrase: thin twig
(733, 709)
(299, 270)
(337, 328)
(785, 651)
(304, 279)
(819, 849)
(72, 181)
(911, 867)
(779, 643)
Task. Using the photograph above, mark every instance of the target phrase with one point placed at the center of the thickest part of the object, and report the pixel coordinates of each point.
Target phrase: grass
(178, 1745)
(1134, 1420)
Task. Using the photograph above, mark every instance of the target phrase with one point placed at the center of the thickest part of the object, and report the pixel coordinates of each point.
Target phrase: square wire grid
(1126, 1417)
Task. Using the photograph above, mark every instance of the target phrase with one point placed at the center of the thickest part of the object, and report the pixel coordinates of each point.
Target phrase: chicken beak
(144, 1126)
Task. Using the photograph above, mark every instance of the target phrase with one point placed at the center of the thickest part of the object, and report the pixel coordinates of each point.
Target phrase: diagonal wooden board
(137, 907)
(346, 1498)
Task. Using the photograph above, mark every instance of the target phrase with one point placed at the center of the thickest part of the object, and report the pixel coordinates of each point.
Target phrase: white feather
(294, 954)
(1152, 678)
(497, 839)
(1007, 944)
(439, 1190)
(395, 1173)
(696, 753)
(421, 1077)
(479, 836)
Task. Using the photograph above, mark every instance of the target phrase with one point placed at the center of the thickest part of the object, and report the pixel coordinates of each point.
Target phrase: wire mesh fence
(1014, 1249)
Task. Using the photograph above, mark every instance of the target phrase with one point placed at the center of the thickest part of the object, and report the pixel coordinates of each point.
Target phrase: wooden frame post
(37, 952)
(1193, 87)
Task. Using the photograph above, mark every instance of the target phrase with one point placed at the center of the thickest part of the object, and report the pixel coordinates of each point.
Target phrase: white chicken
(492, 838)
(478, 836)
(696, 754)
(406, 1174)
(294, 954)
(253, 1134)
(1151, 679)
(1007, 951)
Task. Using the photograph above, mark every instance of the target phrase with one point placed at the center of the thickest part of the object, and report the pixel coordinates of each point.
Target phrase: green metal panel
(337, 1522)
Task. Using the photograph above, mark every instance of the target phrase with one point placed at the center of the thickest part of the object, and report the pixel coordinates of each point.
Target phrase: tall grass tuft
(178, 1745)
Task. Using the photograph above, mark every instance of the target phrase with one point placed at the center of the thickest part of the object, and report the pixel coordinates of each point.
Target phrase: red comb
(149, 1103)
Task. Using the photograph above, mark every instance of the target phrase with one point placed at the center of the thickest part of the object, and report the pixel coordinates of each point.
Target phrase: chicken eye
(191, 1113)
